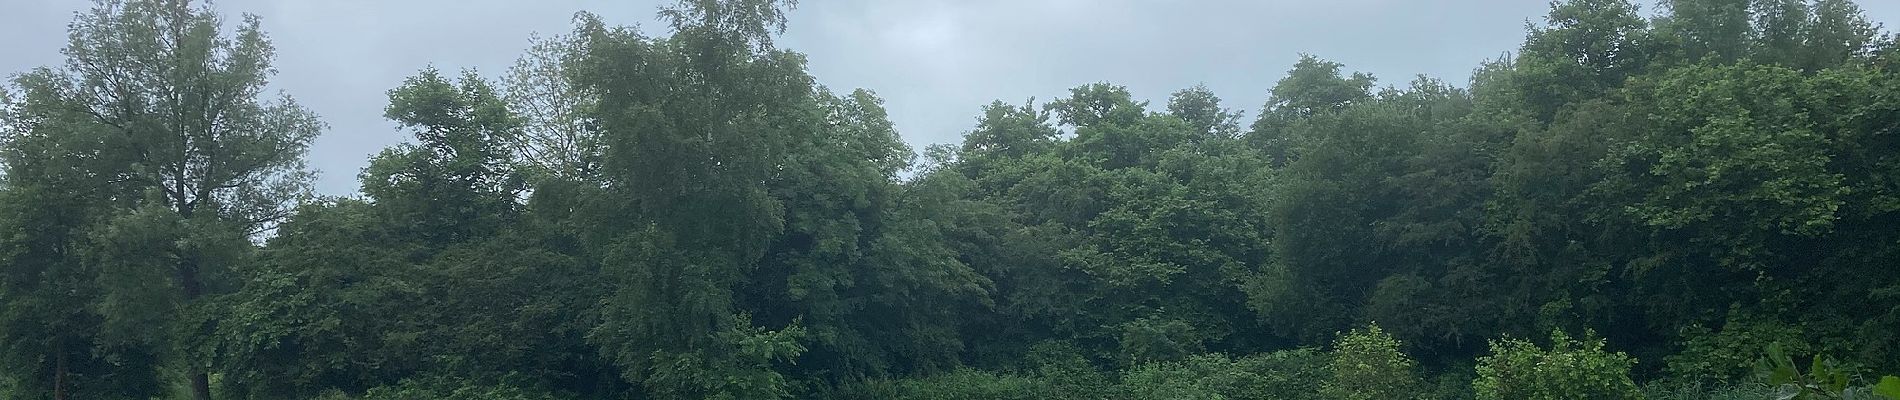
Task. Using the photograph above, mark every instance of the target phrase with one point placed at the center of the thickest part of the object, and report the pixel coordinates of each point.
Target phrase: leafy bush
(1287, 374)
(1064, 367)
(1202, 377)
(1570, 369)
(1150, 339)
(1825, 378)
(1367, 364)
(1728, 354)
(1686, 390)
(1453, 383)
(1054, 369)
(1889, 386)
(451, 389)
(966, 384)
(1290, 374)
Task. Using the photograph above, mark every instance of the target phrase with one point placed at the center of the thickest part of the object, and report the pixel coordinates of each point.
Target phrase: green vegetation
(1569, 369)
(1366, 364)
(1708, 195)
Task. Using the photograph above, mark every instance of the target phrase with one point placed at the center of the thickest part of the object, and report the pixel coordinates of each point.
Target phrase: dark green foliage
(1733, 352)
(1698, 391)
(1289, 374)
(449, 388)
(455, 182)
(150, 159)
(958, 385)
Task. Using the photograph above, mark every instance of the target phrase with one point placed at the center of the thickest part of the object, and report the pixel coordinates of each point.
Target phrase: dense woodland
(1698, 199)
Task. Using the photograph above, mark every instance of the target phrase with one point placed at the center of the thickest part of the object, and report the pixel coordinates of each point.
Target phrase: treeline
(1693, 204)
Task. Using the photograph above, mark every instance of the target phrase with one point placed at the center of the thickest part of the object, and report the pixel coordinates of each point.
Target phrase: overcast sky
(935, 62)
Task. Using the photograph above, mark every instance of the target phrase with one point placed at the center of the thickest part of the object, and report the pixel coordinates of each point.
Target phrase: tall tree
(859, 265)
(558, 137)
(1200, 108)
(695, 125)
(1584, 49)
(1838, 33)
(204, 158)
(456, 182)
(1715, 30)
(1314, 86)
(51, 199)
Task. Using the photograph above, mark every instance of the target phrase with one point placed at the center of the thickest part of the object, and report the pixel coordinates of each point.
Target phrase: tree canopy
(1696, 203)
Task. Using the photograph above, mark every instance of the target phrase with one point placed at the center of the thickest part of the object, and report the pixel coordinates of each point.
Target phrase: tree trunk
(200, 384)
(194, 288)
(59, 371)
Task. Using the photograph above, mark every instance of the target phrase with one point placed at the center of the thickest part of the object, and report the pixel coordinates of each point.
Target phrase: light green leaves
(1889, 386)
(1568, 369)
(1367, 364)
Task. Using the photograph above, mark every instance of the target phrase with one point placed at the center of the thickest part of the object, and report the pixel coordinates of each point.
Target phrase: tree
(1004, 134)
(1838, 33)
(558, 138)
(1716, 30)
(49, 202)
(438, 277)
(1780, 27)
(1584, 48)
(1328, 208)
(327, 307)
(1201, 109)
(695, 126)
(198, 157)
(860, 265)
(1314, 86)
(457, 182)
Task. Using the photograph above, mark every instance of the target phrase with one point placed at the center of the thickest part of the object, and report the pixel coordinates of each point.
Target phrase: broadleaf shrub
(1368, 365)
(1569, 369)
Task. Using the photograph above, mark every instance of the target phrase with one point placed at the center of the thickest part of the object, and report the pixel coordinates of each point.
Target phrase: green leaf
(1888, 387)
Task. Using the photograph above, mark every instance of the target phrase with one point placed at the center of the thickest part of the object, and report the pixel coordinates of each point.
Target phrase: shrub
(1196, 378)
(1727, 354)
(1823, 379)
(966, 384)
(1367, 364)
(1150, 339)
(1287, 374)
(1689, 390)
(444, 388)
(1452, 383)
(1570, 369)
(1064, 367)
(1290, 375)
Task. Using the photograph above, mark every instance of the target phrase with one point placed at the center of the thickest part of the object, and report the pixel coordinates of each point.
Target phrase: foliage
(1734, 351)
(1568, 369)
(1824, 378)
(961, 384)
(1367, 364)
(447, 388)
(182, 159)
(1701, 391)
(690, 214)
(1286, 374)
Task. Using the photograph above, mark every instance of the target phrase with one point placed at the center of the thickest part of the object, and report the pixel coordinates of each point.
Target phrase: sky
(935, 62)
